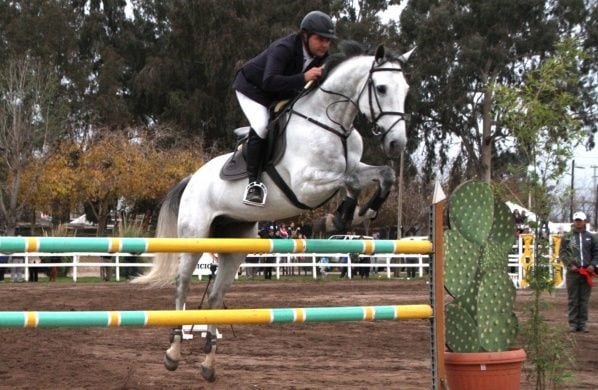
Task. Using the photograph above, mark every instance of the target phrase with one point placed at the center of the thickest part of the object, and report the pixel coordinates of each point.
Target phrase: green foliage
(550, 361)
(476, 252)
(466, 47)
(542, 112)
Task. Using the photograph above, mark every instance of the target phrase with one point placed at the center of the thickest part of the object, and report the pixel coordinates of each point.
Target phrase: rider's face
(318, 46)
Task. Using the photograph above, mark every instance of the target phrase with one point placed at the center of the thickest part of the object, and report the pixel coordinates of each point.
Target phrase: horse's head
(382, 100)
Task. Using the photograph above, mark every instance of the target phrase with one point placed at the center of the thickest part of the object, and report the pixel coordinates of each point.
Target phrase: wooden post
(437, 296)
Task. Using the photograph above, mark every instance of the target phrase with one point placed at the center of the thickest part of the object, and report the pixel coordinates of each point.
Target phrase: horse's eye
(381, 89)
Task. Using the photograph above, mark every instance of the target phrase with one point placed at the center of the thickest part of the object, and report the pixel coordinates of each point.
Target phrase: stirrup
(259, 186)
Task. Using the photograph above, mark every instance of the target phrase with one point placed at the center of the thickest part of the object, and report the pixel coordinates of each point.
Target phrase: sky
(584, 176)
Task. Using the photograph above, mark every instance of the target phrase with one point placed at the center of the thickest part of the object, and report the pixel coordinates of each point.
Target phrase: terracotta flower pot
(484, 370)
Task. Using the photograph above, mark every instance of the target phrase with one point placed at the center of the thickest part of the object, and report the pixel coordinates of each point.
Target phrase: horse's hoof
(209, 374)
(169, 363)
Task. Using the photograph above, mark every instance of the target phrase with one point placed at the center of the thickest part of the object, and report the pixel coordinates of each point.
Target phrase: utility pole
(400, 196)
(594, 177)
(572, 190)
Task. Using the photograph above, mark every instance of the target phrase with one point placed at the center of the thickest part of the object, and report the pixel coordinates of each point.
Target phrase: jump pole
(170, 318)
(211, 245)
(435, 311)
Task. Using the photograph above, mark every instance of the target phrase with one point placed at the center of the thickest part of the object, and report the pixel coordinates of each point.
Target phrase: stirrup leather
(260, 186)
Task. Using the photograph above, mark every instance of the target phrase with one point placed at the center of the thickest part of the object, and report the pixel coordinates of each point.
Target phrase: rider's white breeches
(256, 114)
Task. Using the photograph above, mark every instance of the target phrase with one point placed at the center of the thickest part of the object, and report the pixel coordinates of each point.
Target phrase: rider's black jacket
(276, 73)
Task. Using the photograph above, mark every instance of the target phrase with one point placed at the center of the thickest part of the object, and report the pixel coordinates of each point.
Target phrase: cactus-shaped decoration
(476, 249)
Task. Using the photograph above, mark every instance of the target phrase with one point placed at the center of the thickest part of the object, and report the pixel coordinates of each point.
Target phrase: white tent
(81, 220)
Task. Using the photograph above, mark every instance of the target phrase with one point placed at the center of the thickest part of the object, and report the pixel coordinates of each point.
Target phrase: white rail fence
(281, 264)
(389, 265)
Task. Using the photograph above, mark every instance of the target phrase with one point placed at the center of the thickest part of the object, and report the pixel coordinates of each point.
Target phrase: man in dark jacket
(579, 253)
(278, 73)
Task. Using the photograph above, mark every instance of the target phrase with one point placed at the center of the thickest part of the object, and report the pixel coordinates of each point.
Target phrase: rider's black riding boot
(255, 194)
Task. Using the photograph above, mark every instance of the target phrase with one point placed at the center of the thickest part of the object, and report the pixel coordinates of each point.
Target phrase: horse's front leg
(343, 216)
(187, 264)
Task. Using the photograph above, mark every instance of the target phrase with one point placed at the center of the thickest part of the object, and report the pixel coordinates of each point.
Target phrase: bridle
(370, 84)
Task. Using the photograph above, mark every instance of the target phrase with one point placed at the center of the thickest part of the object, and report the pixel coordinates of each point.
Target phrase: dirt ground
(360, 355)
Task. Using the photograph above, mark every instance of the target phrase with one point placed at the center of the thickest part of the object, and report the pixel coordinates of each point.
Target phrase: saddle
(235, 168)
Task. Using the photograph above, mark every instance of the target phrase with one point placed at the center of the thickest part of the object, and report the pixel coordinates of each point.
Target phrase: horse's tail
(166, 264)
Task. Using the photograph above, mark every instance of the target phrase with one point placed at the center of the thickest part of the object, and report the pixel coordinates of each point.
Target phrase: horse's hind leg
(187, 264)
(228, 266)
(385, 181)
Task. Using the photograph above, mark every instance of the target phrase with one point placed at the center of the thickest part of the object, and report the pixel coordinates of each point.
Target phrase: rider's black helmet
(317, 22)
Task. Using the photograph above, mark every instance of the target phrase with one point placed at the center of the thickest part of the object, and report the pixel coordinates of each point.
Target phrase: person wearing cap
(278, 73)
(579, 254)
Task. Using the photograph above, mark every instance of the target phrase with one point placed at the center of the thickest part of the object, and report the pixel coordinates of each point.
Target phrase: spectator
(106, 272)
(411, 271)
(324, 261)
(307, 230)
(34, 271)
(364, 271)
(517, 217)
(3, 260)
(293, 230)
(16, 273)
(345, 263)
(270, 232)
(52, 271)
(251, 272)
(579, 254)
(268, 269)
(282, 231)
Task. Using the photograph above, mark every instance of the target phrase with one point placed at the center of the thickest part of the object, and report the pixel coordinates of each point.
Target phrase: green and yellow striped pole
(170, 318)
(210, 245)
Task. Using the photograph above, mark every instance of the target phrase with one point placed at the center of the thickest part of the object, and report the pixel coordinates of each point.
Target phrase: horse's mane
(349, 49)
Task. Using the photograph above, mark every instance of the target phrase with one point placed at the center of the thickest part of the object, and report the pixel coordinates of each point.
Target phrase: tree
(115, 167)
(463, 49)
(29, 122)
(540, 114)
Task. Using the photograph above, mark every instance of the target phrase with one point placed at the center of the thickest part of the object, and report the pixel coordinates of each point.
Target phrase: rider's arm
(279, 59)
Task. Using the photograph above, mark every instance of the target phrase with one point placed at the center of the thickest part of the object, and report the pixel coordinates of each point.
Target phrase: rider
(276, 74)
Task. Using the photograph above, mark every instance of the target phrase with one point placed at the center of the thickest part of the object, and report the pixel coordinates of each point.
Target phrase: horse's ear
(379, 53)
(404, 57)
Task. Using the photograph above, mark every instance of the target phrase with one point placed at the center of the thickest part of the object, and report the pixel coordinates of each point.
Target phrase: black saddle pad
(235, 167)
